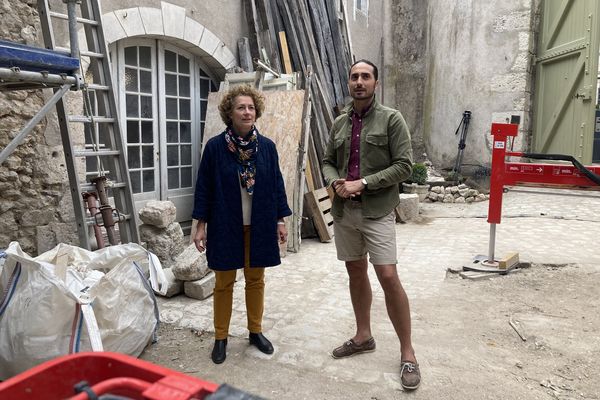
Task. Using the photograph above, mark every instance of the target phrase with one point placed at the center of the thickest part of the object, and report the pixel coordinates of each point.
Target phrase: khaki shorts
(356, 236)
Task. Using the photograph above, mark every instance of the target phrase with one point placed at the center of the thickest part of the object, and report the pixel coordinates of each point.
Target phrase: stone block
(131, 21)
(193, 31)
(190, 265)
(408, 208)
(223, 55)
(158, 213)
(200, 289)
(153, 21)
(165, 243)
(209, 42)
(113, 30)
(173, 16)
(174, 285)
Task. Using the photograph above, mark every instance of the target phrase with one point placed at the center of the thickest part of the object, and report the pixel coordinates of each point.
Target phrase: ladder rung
(98, 153)
(88, 120)
(89, 187)
(82, 52)
(95, 86)
(79, 19)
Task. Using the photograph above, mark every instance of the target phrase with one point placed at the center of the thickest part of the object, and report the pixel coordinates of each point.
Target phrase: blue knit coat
(218, 201)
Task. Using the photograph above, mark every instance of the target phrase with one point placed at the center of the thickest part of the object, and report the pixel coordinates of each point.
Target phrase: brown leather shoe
(410, 376)
(350, 348)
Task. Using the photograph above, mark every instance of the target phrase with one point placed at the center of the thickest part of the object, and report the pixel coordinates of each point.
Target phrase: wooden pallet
(319, 204)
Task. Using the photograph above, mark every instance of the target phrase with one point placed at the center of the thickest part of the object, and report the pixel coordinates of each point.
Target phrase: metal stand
(464, 124)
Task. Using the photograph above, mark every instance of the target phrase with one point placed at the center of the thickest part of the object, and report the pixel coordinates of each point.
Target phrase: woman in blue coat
(240, 204)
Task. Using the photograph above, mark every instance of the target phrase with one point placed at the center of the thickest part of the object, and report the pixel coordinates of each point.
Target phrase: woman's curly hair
(226, 106)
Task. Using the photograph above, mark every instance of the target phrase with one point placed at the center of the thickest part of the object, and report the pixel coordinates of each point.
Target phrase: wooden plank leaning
(343, 55)
(328, 54)
(267, 33)
(293, 38)
(285, 54)
(301, 168)
(252, 19)
(319, 205)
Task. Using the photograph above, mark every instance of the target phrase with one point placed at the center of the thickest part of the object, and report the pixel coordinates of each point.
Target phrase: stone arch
(166, 22)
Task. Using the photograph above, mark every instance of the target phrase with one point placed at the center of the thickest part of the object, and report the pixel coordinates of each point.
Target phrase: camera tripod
(464, 124)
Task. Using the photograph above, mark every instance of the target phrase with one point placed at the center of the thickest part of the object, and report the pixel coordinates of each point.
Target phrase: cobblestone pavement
(308, 310)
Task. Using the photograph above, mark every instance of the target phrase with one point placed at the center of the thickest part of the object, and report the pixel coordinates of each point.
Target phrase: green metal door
(566, 78)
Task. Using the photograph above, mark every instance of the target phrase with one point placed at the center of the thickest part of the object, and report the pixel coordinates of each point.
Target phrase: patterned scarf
(246, 149)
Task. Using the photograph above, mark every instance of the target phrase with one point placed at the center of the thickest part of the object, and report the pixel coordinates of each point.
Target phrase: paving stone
(307, 303)
(200, 289)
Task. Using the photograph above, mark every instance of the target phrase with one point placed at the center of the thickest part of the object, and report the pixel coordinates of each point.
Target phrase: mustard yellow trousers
(255, 294)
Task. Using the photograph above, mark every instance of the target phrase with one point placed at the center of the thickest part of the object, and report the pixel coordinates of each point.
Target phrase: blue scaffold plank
(28, 58)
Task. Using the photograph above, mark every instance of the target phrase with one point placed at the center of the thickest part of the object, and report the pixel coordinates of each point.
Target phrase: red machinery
(104, 375)
(531, 174)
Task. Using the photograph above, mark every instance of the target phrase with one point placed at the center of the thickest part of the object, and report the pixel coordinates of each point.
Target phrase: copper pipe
(105, 209)
(91, 201)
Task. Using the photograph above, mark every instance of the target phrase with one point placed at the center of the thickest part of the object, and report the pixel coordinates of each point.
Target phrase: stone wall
(404, 72)
(479, 59)
(465, 55)
(35, 206)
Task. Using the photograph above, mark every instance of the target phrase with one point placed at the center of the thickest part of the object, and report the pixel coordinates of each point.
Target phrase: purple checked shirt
(354, 159)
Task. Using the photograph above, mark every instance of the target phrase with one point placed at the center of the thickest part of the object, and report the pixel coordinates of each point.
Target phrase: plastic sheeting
(70, 299)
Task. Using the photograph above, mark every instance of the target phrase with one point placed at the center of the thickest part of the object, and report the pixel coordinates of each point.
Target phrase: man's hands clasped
(348, 189)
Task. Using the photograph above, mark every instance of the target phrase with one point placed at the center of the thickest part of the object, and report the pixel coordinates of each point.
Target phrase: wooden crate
(319, 204)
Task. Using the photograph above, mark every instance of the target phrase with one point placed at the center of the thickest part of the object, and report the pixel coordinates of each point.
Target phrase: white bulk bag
(70, 299)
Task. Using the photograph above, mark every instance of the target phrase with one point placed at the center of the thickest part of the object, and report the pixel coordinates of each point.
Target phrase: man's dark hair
(375, 71)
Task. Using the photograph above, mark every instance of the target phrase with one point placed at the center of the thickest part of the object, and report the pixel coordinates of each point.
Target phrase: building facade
(498, 60)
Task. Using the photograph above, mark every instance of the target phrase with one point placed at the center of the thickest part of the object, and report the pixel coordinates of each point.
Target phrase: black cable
(84, 386)
(562, 157)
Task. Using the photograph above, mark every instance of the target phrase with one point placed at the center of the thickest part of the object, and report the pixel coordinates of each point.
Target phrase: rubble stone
(190, 265)
(448, 198)
(166, 243)
(408, 208)
(158, 213)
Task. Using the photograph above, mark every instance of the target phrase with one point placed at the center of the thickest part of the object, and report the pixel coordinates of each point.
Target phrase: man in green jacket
(368, 155)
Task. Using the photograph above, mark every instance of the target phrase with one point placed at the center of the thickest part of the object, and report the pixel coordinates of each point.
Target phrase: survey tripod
(463, 127)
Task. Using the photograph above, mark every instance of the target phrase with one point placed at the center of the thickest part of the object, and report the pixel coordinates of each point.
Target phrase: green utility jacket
(385, 158)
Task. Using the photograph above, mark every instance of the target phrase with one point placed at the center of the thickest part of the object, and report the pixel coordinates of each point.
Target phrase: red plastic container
(105, 373)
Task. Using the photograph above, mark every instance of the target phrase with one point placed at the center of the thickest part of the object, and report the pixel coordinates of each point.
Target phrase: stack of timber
(290, 35)
(310, 37)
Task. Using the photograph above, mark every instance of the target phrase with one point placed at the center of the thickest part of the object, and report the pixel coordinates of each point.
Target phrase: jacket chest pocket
(377, 154)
